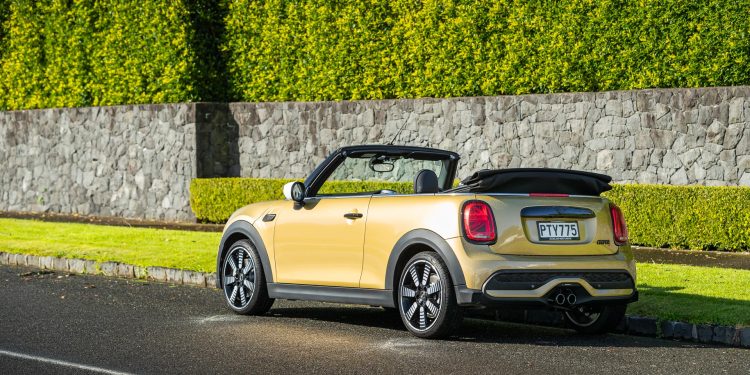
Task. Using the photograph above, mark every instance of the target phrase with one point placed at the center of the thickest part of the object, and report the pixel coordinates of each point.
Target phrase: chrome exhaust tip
(560, 299)
(571, 299)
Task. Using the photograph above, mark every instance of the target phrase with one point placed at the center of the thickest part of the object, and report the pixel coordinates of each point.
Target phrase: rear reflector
(479, 223)
(619, 227)
(549, 195)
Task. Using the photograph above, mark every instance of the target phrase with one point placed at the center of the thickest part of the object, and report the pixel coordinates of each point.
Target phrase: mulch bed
(693, 257)
(114, 221)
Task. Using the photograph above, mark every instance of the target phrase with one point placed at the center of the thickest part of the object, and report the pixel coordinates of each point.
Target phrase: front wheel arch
(238, 230)
(414, 242)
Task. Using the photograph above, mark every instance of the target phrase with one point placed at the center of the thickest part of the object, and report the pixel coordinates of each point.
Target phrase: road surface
(59, 323)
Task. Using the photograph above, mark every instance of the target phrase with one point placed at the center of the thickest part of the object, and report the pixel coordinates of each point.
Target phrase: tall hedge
(362, 49)
(98, 52)
(63, 53)
(692, 217)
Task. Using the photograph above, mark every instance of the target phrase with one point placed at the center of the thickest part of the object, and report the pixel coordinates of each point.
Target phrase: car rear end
(545, 250)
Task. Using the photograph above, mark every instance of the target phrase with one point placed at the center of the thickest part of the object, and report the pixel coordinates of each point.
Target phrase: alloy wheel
(420, 296)
(239, 277)
(583, 316)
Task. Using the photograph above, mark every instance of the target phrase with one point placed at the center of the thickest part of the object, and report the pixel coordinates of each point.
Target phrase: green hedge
(100, 52)
(215, 199)
(694, 217)
(354, 49)
(67, 53)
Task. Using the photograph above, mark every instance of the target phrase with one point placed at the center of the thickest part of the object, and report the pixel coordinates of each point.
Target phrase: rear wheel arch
(240, 230)
(414, 242)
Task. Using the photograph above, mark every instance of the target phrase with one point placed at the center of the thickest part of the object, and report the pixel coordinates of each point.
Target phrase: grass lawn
(693, 294)
(138, 246)
(673, 292)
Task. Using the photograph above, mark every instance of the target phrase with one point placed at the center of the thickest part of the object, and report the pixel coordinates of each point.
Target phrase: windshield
(375, 172)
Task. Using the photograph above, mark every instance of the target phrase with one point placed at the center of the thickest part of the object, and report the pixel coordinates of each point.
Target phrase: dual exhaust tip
(565, 298)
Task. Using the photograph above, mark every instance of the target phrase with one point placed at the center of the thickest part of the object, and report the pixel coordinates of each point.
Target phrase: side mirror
(294, 191)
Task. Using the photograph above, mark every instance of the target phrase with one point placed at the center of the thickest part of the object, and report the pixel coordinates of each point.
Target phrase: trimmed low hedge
(694, 217)
(215, 199)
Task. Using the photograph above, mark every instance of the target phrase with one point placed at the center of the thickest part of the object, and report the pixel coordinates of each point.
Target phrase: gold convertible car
(510, 238)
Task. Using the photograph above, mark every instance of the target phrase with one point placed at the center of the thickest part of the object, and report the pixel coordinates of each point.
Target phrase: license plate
(556, 231)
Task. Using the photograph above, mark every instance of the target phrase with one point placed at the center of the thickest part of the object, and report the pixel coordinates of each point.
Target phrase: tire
(426, 299)
(244, 286)
(596, 319)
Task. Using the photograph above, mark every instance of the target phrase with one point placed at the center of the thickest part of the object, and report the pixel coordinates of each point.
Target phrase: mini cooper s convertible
(510, 238)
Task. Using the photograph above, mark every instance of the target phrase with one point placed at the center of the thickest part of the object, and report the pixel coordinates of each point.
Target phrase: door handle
(353, 215)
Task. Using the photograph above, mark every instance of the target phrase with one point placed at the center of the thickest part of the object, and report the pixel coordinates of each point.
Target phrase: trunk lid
(565, 225)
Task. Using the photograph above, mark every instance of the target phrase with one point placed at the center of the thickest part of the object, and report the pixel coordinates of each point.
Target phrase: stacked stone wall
(126, 161)
(137, 161)
(676, 136)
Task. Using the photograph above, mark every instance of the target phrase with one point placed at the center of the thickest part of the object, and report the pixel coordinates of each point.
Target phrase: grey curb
(632, 325)
(81, 266)
(32, 261)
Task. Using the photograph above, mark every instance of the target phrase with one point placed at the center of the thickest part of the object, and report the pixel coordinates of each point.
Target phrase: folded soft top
(536, 180)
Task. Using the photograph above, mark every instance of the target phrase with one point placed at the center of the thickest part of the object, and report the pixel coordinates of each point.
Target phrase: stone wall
(137, 161)
(126, 161)
(678, 136)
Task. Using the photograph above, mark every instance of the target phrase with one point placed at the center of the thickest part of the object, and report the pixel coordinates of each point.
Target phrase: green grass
(693, 294)
(137, 246)
(671, 292)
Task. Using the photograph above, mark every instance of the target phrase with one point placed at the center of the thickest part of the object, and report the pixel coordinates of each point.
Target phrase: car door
(321, 243)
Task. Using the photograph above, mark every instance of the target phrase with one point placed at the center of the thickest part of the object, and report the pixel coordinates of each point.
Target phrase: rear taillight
(619, 227)
(479, 223)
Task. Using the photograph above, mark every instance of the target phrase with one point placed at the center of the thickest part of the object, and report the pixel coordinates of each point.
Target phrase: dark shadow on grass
(658, 290)
(691, 307)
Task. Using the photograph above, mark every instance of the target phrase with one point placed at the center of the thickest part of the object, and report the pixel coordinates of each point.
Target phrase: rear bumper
(540, 289)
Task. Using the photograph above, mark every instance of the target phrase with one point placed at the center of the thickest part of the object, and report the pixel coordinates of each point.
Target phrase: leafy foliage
(695, 217)
(60, 53)
(101, 52)
(215, 199)
(353, 49)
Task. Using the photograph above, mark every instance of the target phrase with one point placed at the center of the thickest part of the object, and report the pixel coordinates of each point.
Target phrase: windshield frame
(321, 173)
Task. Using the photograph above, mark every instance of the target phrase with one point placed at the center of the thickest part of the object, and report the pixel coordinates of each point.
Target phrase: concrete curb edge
(90, 267)
(632, 325)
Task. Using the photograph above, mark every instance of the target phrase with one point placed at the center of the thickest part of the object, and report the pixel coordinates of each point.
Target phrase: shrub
(695, 217)
(87, 52)
(215, 199)
(83, 52)
(353, 49)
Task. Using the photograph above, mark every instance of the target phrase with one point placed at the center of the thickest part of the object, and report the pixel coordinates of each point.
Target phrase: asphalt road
(53, 323)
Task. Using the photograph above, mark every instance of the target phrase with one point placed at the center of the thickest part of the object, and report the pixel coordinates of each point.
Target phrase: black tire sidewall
(259, 302)
(449, 316)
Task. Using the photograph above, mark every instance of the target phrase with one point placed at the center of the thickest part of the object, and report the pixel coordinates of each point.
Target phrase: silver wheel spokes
(420, 295)
(583, 317)
(239, 277)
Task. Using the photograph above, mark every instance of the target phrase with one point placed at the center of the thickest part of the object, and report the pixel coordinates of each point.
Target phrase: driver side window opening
(379, 174)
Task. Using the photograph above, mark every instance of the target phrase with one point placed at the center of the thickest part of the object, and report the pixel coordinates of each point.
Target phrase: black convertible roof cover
(537, 180)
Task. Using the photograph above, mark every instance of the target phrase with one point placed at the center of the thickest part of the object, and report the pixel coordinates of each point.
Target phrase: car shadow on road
(474, 329)
(345, 314)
